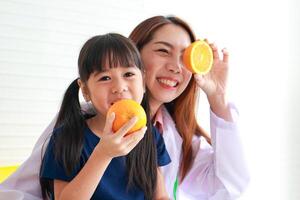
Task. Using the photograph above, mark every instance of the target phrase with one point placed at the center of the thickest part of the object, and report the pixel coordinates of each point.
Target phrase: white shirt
(218, 172)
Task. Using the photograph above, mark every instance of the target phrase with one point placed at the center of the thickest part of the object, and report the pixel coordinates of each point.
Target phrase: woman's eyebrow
(167, 44)
(164, 43)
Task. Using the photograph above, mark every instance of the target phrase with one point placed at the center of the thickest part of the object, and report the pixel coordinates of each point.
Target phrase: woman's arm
(214, 84)
(219, 171)
(25, 179)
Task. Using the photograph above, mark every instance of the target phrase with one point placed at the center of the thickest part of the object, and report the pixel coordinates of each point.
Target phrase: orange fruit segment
(198, 57)
(124, 110)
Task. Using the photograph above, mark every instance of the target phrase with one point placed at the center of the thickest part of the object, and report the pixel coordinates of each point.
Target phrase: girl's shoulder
(155, 132)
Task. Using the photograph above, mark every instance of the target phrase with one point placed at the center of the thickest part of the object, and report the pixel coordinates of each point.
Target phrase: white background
(40, 42)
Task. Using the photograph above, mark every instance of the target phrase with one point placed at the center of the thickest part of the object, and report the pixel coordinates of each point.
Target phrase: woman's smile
(168, 83)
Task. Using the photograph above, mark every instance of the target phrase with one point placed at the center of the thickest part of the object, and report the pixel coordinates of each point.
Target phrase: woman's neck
(154, 106)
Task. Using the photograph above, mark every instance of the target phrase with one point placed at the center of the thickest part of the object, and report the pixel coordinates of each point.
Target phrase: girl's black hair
(141, 162)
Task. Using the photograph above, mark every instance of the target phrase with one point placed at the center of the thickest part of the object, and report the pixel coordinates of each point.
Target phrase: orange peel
(198, 57)
(124, 110)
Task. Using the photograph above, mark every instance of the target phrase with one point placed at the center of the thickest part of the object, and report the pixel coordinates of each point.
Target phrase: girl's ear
(84, 90)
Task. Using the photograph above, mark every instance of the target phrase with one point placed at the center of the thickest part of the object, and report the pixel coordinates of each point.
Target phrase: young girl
(84, 159)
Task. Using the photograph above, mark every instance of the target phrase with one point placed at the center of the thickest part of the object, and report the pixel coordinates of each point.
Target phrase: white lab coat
(219, 171)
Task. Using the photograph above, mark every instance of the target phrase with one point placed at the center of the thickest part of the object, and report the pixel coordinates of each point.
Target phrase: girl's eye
(104, 78)
(129, 74)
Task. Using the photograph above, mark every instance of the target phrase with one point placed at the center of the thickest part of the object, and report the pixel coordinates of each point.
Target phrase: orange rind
(124, 110)
(198, 57)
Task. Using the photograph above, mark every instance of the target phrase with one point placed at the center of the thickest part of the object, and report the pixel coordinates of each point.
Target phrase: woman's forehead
(171, 34)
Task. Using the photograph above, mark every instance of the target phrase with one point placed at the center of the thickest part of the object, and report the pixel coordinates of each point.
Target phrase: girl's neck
(96, 124)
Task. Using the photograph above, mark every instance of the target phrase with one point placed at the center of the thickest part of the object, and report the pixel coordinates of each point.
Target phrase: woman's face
(166, 76)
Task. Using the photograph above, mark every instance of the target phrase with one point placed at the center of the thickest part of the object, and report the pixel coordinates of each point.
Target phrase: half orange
(126, 109)
(198, 57)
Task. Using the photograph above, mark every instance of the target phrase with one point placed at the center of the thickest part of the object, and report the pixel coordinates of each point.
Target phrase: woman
(202, 167)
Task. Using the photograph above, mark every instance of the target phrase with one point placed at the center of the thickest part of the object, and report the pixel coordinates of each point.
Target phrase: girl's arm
(111, 145)
(161, 192)
(85, 183)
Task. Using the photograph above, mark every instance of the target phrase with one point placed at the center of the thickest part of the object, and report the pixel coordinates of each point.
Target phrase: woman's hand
(115, 144)
(214, 83)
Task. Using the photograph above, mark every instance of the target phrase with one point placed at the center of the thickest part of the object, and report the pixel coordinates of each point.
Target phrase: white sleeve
(219, 171)
(26, 178)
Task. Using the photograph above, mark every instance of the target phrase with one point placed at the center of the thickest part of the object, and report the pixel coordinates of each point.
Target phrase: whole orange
(126, 109)
(198, 57)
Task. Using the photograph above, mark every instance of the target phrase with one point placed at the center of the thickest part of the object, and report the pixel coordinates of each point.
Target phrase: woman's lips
(168, 82)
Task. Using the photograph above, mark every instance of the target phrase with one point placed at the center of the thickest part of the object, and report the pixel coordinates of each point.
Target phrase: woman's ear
(84, 90)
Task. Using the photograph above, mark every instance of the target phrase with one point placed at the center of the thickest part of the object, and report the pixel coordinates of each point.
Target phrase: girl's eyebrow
(99, 72)
(164, 43)
(106, 70)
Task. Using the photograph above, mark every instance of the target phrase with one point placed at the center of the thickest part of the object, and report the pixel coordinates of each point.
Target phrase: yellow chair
(6, 171)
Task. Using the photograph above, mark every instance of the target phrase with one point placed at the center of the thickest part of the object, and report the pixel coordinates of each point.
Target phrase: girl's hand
(214, 83)
(115, 144)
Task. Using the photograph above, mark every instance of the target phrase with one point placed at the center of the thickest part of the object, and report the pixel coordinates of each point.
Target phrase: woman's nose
(175, 65)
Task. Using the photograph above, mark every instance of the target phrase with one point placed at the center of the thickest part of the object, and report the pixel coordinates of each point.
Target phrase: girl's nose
(119, 87)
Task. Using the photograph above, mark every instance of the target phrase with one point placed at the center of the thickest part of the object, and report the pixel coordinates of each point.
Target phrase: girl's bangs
(114, 53)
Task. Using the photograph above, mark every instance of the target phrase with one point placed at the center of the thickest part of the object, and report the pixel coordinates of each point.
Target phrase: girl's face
(166, 76)
(105, 88)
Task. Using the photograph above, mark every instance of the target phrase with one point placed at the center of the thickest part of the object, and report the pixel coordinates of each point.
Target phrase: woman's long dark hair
(186, 122)
(141, 162)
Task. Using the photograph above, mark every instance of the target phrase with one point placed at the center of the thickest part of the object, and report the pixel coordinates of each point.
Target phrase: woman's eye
(128, 74)
(104, 78)
(163, 51)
